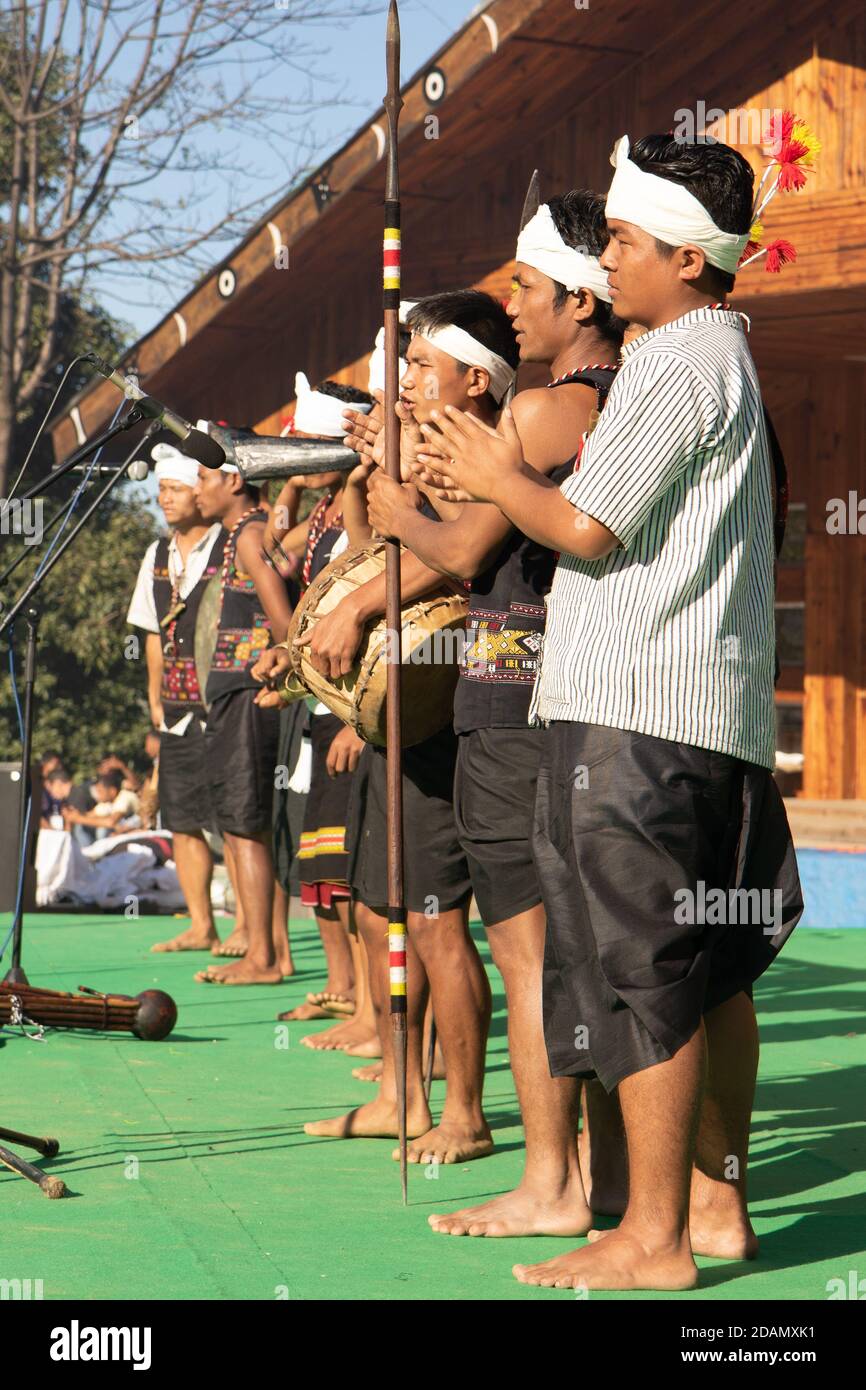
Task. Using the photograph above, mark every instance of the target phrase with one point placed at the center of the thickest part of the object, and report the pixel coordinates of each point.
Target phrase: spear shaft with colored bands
(391, 250)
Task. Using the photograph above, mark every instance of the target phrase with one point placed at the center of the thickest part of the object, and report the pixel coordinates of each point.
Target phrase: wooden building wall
(556, 95)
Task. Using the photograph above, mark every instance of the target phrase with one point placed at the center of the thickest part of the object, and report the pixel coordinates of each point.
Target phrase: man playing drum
(561, 312)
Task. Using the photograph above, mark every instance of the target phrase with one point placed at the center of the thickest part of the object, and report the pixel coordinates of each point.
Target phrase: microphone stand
(134, 417)
(16, 975)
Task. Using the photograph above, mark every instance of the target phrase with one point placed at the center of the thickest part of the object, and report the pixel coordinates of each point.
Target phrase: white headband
(225, 466)
(541, 246)
(376, 380)
(319, 414)
(173, 466)
(464, 348)
(668, 211)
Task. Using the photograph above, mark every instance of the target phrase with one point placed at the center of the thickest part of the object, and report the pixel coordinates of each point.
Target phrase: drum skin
(433, 633)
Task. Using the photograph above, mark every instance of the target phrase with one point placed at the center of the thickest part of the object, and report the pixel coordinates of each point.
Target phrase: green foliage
(91, 688)
(83, 326)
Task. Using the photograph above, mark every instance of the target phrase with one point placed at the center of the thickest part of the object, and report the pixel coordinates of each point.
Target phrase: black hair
(111, 779)
(718, 176)
(58, 774)
(405, 340)
(353, 395)
(578, 216)
(478, 314)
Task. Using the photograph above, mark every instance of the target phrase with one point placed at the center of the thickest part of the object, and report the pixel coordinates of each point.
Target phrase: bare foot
(335, 1005)
(243, 972)
(373, 1073)
(285, 963)
(193, 939)
(620, 1261)
(235, 944)
(450, 1143)
(365, 1044)
(304, 1013)
(519, 1213)
(722, 1235)
(377, 1120)
(719, 1224)
(342, 1037)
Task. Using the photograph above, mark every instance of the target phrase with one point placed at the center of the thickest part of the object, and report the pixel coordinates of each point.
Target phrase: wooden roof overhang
(511, 73)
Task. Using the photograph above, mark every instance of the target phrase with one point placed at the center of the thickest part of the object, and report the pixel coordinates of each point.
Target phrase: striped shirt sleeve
(661, 417)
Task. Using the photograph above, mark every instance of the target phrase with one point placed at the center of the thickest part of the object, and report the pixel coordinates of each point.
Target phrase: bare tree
(116, 118)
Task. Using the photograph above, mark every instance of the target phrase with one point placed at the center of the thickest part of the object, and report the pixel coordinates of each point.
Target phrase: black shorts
(670, 883)
(494, 801)
(184, 790)
(435, 871)
(241, 753)
(322, 855)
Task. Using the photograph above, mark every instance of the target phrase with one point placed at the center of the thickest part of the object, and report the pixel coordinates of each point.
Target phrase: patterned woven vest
(505, 623)
(180, 689)
(244, 629)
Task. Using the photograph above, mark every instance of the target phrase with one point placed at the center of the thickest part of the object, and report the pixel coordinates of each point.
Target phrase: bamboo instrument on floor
(151, 1015)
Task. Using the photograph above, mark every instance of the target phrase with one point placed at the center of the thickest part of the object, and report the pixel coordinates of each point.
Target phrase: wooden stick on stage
(47, 1147)
(391, 306)
(52, 1187)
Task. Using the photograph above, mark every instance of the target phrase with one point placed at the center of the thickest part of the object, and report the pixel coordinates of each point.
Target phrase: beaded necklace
(318, 527)
(587, 367)
(229, 552)
(176, 606)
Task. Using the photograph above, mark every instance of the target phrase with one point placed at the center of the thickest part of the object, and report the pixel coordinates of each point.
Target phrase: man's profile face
(640, 278)
(177, 503)
(213, 493)
(432, 380)
(105, 791)
(541, 330)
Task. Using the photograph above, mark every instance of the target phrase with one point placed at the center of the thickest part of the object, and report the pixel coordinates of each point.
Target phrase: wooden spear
(391, 305)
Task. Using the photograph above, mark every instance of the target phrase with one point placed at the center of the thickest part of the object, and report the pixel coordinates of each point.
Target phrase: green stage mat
(191, 1177)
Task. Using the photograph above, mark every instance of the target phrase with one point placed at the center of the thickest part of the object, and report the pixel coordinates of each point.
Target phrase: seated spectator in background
(115, 800)
(81, 815)
(56, 787)
(112, 763)
(48, 763)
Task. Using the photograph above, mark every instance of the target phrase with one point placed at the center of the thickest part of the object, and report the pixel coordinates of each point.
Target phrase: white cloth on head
(319, 414)
(376, 379)
(540, 245)
(464, 348)
(668, 211)
(173, 466)
(225, 466)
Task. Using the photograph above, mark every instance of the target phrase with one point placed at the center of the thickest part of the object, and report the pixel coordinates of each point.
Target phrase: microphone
(196, 445)
(136, 471)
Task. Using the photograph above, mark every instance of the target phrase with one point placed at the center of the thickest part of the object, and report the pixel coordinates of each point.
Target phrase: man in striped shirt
(664, 853)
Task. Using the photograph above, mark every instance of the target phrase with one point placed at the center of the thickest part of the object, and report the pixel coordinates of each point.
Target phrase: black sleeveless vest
(505, 623)
(180, 692)
(243, 631)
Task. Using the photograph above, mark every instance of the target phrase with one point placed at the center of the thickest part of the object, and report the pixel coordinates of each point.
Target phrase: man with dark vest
(173, 576)
(241, 738)
(561, 311)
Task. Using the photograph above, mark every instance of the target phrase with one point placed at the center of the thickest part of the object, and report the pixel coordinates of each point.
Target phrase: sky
(352, 59)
